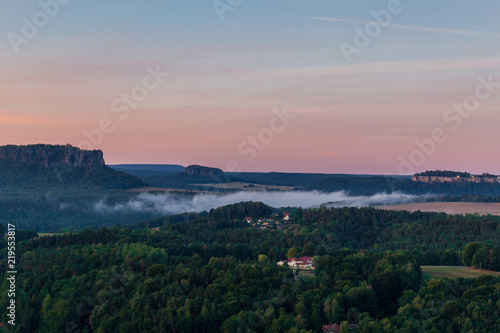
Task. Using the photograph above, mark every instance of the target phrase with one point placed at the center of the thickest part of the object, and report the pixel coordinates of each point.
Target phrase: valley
(233, 166)
(207, 250)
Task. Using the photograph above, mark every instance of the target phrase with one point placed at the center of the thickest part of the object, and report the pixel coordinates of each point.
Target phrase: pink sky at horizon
(364, 135)
(226, 78)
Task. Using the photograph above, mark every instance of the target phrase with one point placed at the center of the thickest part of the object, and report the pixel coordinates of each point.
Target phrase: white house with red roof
(331, 328)
(302, 262)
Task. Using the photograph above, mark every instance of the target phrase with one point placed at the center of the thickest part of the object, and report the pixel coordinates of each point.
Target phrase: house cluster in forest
(272, 223)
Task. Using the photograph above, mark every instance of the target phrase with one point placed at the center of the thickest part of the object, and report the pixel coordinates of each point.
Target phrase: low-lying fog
(168, 204)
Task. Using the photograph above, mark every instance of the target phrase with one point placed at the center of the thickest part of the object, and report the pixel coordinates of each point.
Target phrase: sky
(365, 86)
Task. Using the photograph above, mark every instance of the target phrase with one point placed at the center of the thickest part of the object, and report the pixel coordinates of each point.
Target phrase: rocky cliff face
(53, 156)
(198, 170)
(472, 179)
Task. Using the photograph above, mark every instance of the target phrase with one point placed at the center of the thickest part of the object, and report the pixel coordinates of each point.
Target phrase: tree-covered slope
(51, 167)
(214, 273)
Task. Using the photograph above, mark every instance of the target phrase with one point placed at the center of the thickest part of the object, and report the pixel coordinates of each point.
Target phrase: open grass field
(249, 187)
(160, 189)
(482, 208)
(453, 272)
(306, 273)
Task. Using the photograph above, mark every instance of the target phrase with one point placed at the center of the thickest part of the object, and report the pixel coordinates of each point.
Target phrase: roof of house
(302, 260)
(331, 328)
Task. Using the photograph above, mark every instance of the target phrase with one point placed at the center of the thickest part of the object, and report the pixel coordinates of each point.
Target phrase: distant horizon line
(296, 172)
(385, 174)
(249, 171)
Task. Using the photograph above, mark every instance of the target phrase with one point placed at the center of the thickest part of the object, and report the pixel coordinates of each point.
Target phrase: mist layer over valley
(168, 203)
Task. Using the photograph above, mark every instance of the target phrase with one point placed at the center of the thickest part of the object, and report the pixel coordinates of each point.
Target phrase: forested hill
(55, 166)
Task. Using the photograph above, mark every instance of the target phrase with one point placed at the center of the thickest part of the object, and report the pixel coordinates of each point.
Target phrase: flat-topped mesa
(198, 170)
(53, 155)
(454, 177)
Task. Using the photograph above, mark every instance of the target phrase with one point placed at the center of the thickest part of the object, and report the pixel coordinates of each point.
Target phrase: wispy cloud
(399, 66)
(471, 33)
(321, 151)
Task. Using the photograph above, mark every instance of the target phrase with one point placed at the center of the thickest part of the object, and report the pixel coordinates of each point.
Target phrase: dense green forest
(483, 256)
(212, 272)
(449, 189)
(358, 185)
